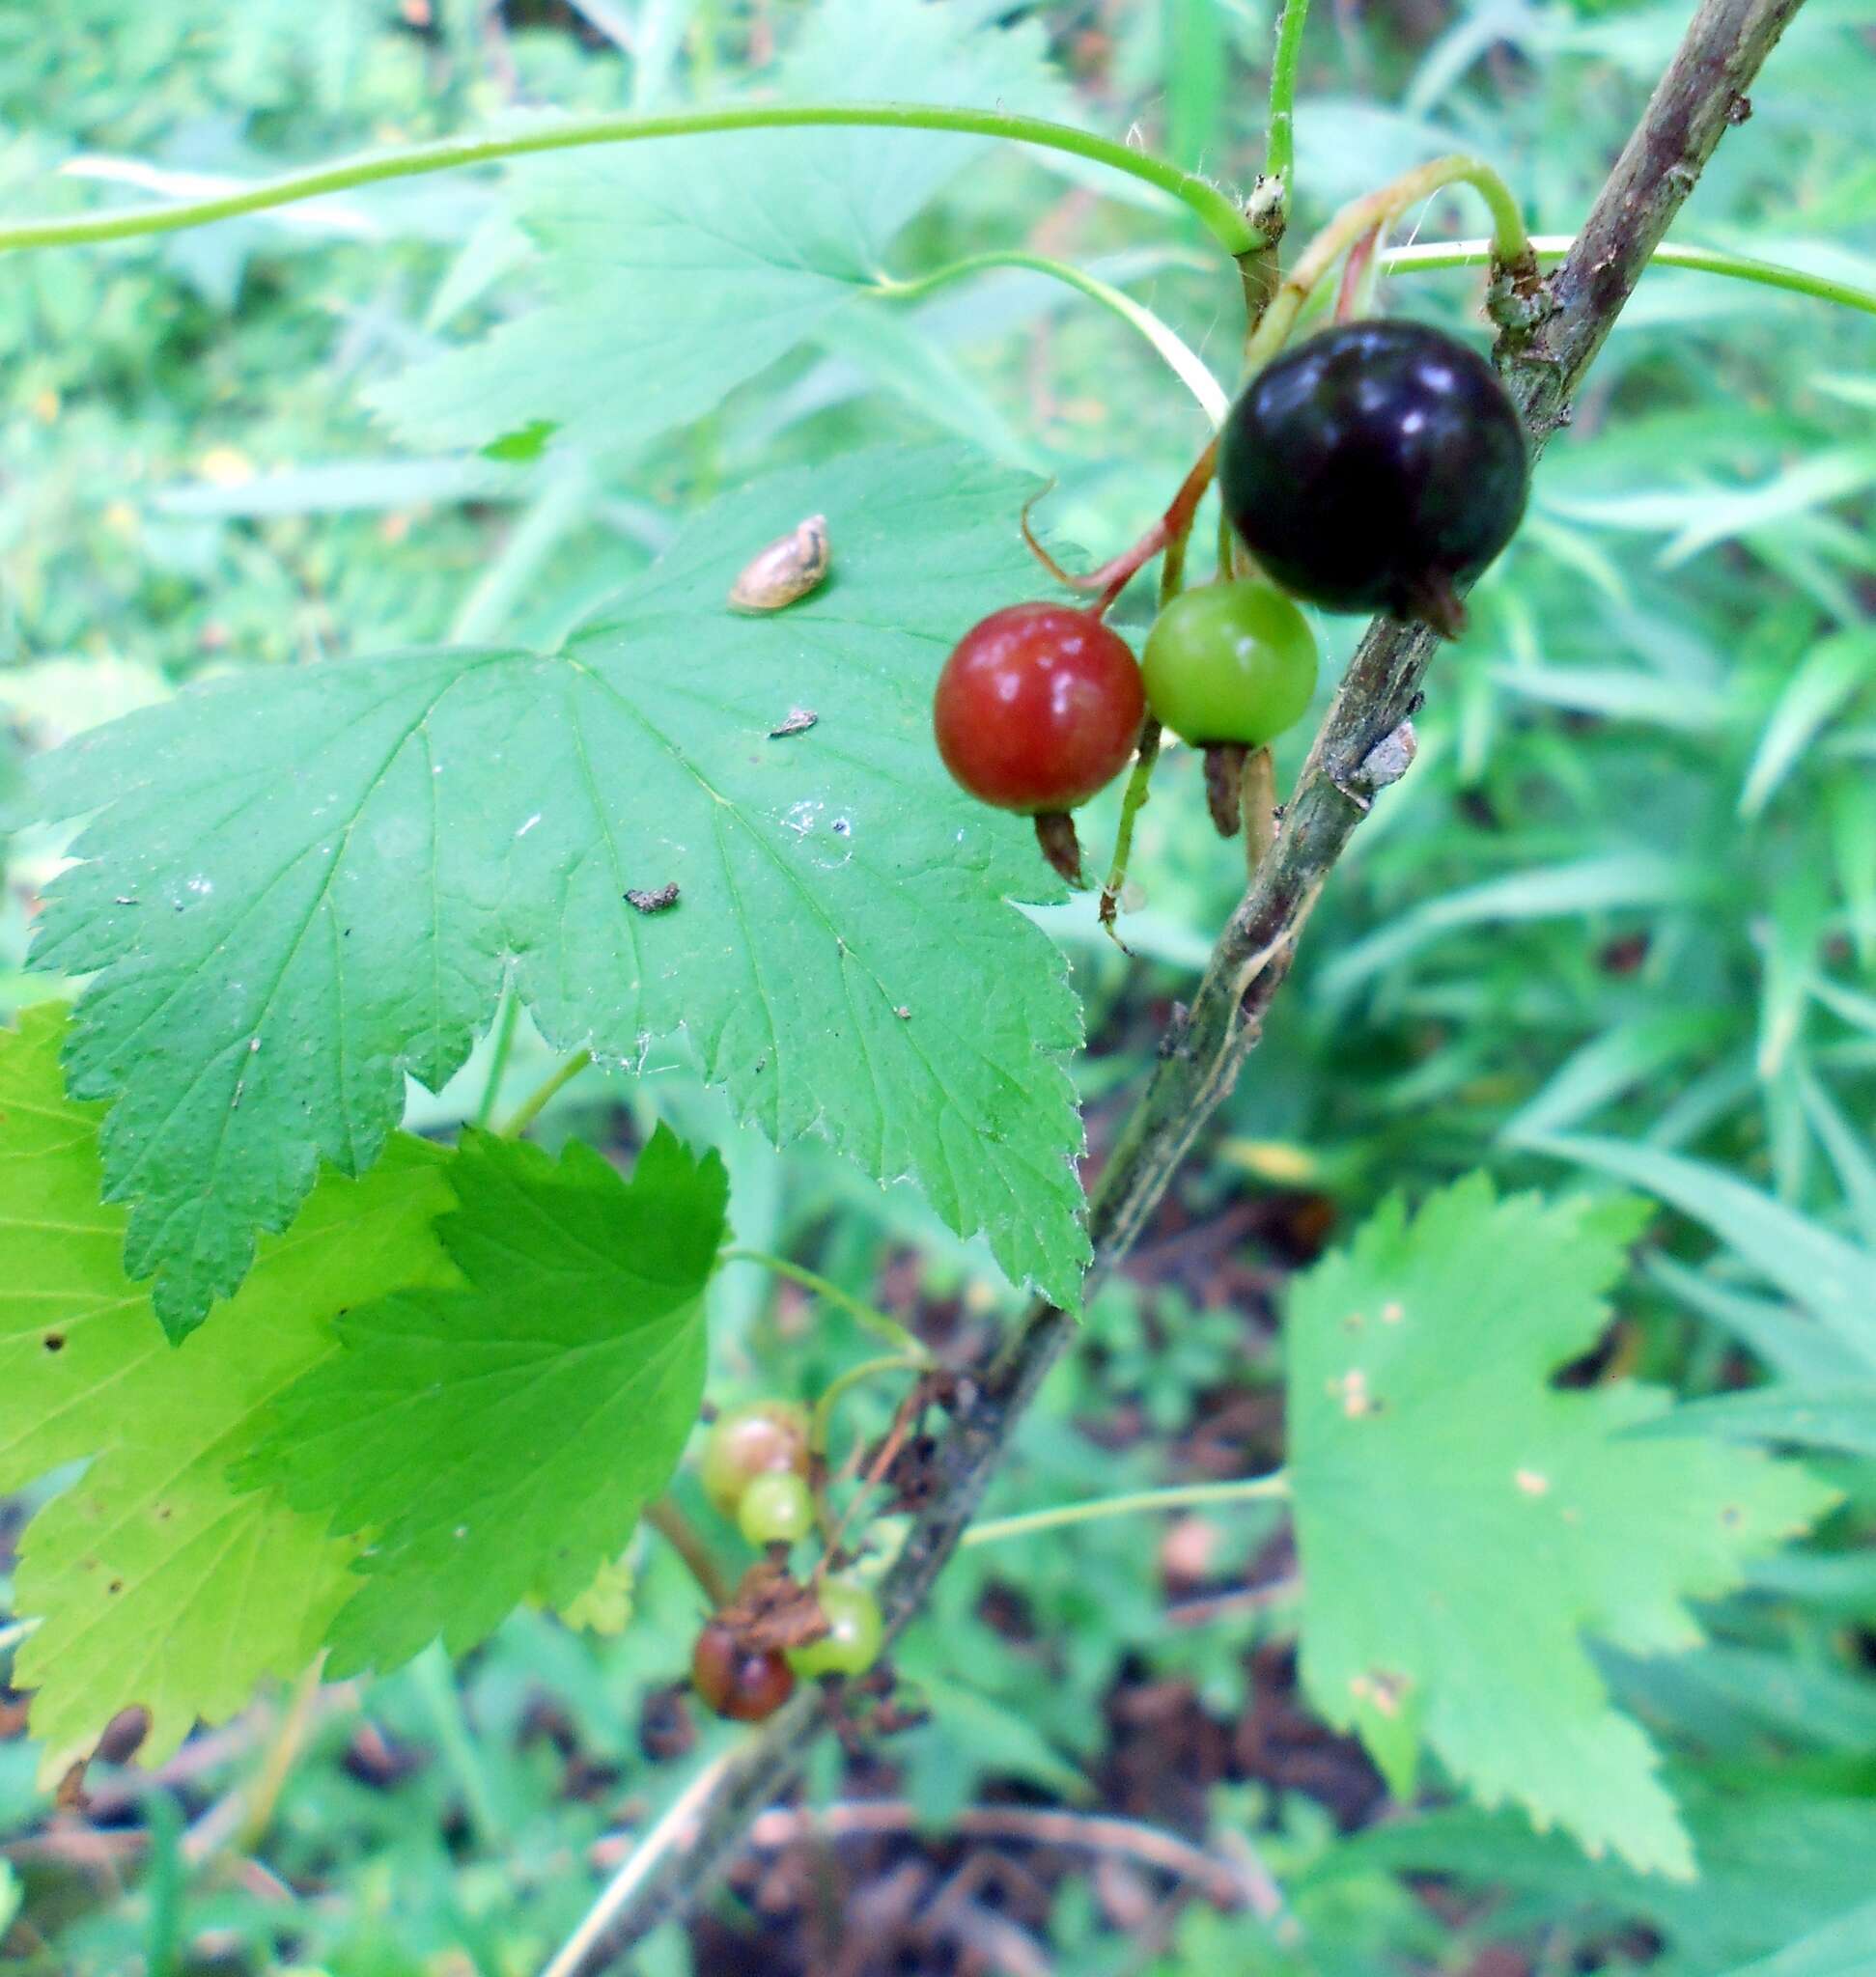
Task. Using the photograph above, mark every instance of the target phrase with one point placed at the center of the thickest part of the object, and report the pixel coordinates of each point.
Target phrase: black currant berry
(1376, 467)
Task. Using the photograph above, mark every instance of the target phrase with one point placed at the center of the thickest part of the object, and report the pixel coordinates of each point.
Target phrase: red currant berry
(776, 1509)
(1230, 662)
(765, 1437)
(854, 1633)
(734, 1682)
(1376, 467)
(1039, 706)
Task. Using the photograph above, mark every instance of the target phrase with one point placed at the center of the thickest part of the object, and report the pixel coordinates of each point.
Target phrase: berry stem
(1216, 210)
(820, 1430)
(1179, 356)
(875, 1321)
(511, 1010)
(1131, 805)
(682, 1535)
(1134, 1503)
(1172, 579)
(1357, 286)
(1118, 572)
(1174, 526)
(1374, 212)
(543, 1095)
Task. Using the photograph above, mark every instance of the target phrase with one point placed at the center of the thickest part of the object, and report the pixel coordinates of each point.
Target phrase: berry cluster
(1379, 466)
(756, 1471)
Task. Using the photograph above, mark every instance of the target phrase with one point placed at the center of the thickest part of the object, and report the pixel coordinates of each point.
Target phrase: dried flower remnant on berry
(785, 570)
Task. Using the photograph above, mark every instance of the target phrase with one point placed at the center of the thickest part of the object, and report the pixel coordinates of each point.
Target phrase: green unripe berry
(855, 1633)
(776, 1509)
(1230, 662)
(758, 1439)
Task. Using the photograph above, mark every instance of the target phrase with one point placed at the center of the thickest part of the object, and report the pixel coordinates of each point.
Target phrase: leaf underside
(675, 270)
(152, 1579)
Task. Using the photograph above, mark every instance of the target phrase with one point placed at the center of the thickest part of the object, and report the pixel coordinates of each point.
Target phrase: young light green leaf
(1462, 1524)
(499, 1440)
(153, 1581)
(301, 886)
(681, 268)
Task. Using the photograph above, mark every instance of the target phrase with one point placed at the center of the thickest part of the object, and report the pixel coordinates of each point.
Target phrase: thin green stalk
(543, 1095)
(820, 1427)
(1280, 141)
(1132, 802)
(1215, 209)
(511, 1012)
(1771, 274)
(1172, 580)
(1182, 1496)
(1179, 356)
(876, 1322)
(684, 1537)
(1510, 245)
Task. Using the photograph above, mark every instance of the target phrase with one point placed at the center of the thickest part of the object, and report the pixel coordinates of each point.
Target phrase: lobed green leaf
(500, 1438)
(297, 889)
(1462, 1524)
